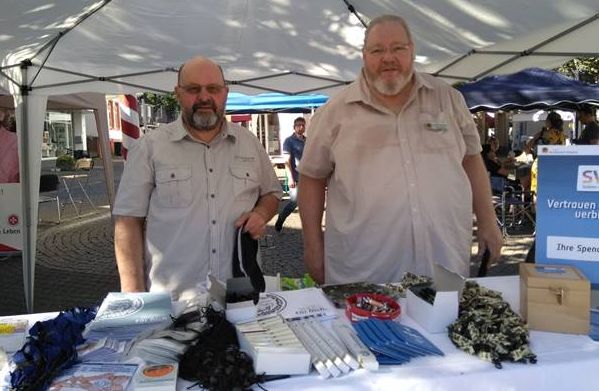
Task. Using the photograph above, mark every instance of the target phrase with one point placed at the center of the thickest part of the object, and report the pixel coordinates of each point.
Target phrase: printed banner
(10, 188)
(568, 207)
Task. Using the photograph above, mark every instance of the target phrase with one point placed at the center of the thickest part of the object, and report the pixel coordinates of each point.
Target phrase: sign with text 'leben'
(10, 188)
(10, 217)
(568, 207)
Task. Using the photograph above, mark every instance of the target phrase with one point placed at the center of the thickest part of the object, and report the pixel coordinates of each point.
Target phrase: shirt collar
(297, 136)
(179, 132)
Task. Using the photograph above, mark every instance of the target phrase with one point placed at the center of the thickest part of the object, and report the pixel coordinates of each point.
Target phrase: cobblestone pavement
(76, 266)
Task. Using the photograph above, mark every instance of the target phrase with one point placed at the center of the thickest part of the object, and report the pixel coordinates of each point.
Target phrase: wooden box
(555, 298)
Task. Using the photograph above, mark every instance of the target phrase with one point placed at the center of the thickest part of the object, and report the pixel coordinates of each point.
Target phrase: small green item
(290, 283)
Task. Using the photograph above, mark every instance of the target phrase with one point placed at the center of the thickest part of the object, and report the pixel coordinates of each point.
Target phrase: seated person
(502, 169)
(494, 166)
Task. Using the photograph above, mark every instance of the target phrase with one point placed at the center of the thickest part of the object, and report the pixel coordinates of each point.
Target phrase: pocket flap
(175, 173)
(242, 172)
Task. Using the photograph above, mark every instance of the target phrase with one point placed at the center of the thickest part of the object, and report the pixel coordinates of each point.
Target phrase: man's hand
(314, 261)
(253, 223)
(490, 238)
(291, 183)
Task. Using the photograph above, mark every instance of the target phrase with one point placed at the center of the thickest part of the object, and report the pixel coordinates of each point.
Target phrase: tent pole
(27, 256)
(106, 153)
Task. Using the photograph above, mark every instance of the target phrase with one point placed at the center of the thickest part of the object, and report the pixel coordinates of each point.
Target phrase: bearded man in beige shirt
(186, 188)
(399, 156)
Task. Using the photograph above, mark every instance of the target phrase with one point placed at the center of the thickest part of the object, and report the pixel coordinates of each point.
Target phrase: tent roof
(276, 45)
(528, 89)
(81, 101)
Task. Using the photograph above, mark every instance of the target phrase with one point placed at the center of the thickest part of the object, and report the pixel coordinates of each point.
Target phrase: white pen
(324, 345)
(351, 340)
(318, 358)
(337, 346)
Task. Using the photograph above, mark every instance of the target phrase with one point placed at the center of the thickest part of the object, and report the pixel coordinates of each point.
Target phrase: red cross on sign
(13, 220)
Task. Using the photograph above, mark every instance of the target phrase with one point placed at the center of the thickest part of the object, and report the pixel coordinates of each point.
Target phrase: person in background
(503, 168)
(551, 134)
(9, 149)
(399, 157)
(590, 133)
(293, 148)
(492, 163)
(185, 190)
(494, 144)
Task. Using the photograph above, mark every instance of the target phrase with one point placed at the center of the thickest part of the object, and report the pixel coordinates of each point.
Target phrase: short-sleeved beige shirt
(398, 197)
(191, 194)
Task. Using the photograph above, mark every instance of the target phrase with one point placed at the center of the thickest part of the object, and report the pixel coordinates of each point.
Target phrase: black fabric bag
(245, 262)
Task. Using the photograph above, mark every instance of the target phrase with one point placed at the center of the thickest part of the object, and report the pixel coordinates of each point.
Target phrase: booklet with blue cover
(393, 342)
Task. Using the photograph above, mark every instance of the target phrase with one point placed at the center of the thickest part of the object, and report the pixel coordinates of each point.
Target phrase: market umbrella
(529, 89)
(273, 102)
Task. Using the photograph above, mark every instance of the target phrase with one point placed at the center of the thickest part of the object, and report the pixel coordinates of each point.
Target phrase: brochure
(95, 377)
(125, 309)
(298, 304)
(160, 377)
(12, 334)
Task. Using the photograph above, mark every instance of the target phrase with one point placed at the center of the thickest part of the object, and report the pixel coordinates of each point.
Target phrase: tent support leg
(27, 256)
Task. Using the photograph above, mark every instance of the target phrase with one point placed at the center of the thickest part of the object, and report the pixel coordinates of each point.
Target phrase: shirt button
(213, 221)
(213, 251)
(208, 146)
(172, 174)
(211, 195)
(210, 170)
(408, 162)
(247, 174)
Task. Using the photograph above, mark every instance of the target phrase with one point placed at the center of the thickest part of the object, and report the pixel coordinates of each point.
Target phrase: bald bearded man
(186, 188)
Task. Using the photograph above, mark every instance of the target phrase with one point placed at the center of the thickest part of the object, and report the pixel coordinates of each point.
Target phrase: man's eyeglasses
(395, 50)
(212, 89)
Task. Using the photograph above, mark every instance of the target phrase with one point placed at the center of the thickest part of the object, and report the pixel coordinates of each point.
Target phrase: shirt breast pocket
(245, 182)
(436, 132)
(173, 186)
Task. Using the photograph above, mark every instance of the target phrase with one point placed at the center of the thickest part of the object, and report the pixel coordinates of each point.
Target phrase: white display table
(565, 362)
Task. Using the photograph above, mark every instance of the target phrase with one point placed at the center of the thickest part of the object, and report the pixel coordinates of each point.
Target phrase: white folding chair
(85, 164)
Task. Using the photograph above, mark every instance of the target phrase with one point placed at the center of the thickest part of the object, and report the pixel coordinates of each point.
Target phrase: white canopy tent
(73, 46)
(280, 45)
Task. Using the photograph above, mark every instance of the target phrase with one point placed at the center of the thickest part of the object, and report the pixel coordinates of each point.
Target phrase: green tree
(583, 68)
(167, 101)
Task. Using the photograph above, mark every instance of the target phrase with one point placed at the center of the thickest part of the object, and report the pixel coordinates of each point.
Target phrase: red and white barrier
(129, 122)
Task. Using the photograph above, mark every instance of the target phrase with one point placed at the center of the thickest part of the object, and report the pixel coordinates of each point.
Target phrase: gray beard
(391, 88)
(204, 122)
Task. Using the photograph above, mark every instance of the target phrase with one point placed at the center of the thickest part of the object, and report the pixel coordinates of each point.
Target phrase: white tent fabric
(279, 45)
(126, 46)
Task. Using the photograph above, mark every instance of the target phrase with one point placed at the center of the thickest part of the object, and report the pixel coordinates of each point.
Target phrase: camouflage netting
(489, 328)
